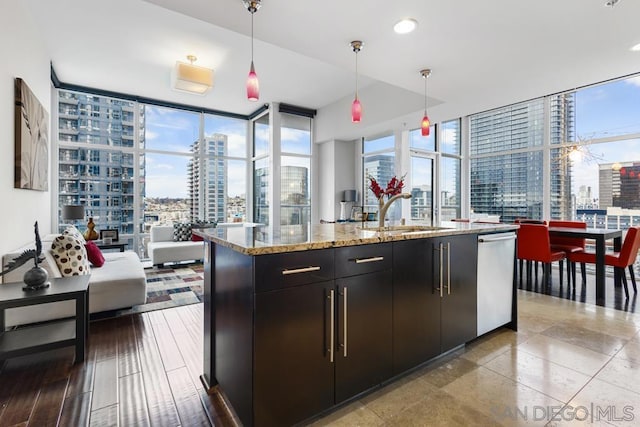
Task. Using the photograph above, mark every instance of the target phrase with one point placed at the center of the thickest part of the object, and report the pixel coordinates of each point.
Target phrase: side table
(120, 246)
(49, 335)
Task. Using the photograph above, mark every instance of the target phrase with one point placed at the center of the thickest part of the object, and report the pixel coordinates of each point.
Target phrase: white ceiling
(484, 54)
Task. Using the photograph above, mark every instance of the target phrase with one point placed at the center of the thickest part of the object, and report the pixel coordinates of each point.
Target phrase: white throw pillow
(74, 232)
(70, 255)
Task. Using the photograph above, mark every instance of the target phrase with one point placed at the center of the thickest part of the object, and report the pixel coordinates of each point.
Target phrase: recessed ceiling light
(405, 26)
(636, 48)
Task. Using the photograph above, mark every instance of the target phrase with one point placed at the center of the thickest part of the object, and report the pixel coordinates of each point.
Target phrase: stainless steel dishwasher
(495, 279)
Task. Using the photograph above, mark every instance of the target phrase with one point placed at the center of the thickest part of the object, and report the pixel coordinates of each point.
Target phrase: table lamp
(72, 212)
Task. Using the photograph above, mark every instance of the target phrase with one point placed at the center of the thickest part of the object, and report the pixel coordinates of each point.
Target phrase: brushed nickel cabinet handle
(300, 270)
(345, 321)
(332, 324)
(372, 259)
(448, 268)
(441, 273)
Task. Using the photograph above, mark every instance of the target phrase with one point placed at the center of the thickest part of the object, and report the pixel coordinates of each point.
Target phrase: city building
(207, 181)
(96, 167)
(507, 158)
(619, 185)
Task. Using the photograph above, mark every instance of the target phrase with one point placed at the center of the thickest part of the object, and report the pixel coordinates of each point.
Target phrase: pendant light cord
(252, 37)
(357, 50)
(425, 95)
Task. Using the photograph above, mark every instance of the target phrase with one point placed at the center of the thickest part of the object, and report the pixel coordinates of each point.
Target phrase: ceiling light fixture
(611, 3)
(635, 48)
(405, 26)
(356, 107)
(192, 78)
(253, 86)
(426, 123)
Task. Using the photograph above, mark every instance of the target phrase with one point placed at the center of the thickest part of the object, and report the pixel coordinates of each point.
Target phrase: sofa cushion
(118, 284)
(94, 254)
(181, 232)
(70, 256)
(161, 252)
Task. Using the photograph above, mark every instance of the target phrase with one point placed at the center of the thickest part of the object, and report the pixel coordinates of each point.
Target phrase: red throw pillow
(94, 254)
(196, 238)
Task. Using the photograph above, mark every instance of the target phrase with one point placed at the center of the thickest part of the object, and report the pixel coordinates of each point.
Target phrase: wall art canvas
(31, 140)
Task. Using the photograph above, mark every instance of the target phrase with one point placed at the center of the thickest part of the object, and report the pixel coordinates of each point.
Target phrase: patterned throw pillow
(70, 255)
(181, 232)
(74, 232)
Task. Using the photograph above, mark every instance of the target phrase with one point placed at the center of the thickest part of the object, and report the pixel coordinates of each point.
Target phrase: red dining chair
(620, 260)
(570, 245)
(535, 265)
(534, 245)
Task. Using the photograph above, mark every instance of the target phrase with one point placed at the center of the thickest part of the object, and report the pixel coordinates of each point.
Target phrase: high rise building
(507, 159)
(206, 179)
(96, 169)
(295, 204)
(380, 167)
(619, 185)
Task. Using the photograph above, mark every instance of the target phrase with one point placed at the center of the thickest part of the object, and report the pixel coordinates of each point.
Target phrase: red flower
(394, 187)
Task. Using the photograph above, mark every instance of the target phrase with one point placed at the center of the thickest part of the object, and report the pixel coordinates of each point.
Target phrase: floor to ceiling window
(605, 163)
(261, 193)
(423, 161)
(450, 167)
(295, 167)
(133, 165)
(592, 139)
(506, 161)
(378, 160)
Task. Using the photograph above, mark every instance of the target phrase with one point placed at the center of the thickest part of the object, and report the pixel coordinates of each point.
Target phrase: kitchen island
(301, 319)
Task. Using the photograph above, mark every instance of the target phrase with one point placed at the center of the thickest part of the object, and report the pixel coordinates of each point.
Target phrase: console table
(119, 246)
(49, 335)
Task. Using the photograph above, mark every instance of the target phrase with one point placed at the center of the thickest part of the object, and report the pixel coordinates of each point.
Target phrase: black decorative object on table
(36, 277)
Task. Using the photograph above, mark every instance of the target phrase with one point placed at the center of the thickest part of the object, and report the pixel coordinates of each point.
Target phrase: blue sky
(607, 110)
(175, 131)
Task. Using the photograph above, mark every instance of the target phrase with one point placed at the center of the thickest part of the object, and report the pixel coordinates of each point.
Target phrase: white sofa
(161, 248)
(119, 283)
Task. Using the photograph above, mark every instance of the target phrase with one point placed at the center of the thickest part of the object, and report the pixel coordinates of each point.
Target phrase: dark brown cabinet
(289, 335)
(318, 344)
(416, 305)
(363, 354)
(458, 256)
(434, 297)
(294, 374)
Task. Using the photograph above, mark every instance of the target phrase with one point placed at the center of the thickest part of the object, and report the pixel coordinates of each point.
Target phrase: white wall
(336, 173)
(24, 55)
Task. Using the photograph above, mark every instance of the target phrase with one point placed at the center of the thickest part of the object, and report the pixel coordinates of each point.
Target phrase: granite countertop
(256, 239)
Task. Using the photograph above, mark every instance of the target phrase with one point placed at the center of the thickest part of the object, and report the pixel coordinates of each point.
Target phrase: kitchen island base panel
(282, 320)
(231, 328)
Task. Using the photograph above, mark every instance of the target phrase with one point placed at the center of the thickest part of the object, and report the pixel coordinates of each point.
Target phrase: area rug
(170, 287)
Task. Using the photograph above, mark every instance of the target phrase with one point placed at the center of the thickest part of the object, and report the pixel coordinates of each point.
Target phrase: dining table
(600, 236)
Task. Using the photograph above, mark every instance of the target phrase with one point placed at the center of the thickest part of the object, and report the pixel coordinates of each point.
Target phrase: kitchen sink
(404, 229)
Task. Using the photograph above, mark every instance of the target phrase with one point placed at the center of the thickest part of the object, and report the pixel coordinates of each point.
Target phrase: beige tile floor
(570, 363)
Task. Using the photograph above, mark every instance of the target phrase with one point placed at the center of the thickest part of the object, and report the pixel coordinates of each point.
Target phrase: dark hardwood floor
(140, 370)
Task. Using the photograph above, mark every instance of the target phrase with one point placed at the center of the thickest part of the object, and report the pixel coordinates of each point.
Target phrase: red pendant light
(356, 111)
(356, 107)
(253, 86)
(426, 123)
